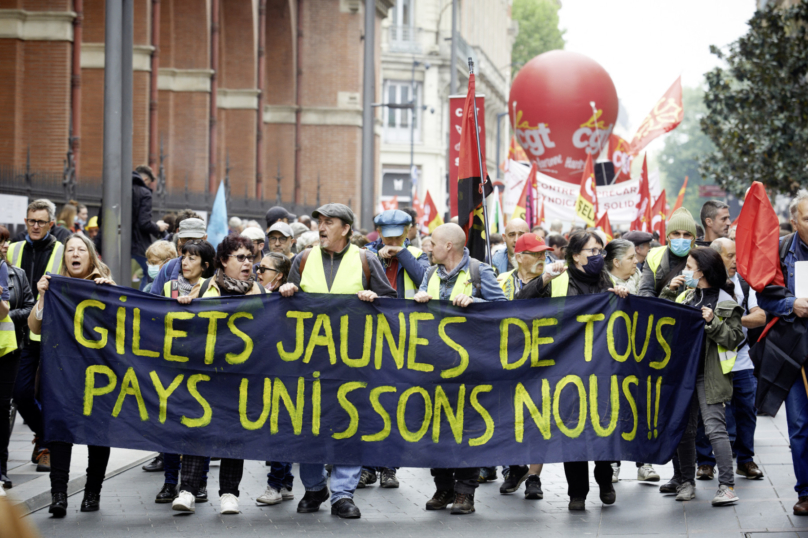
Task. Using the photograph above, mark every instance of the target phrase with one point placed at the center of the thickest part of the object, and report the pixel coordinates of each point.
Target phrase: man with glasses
(279, 239)
(37, 254)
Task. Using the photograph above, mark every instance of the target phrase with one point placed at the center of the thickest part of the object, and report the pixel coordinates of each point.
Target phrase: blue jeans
(343, 479)
(25, 388)
(171, 468)
(280, 476)
(797, 417)
(741, 422)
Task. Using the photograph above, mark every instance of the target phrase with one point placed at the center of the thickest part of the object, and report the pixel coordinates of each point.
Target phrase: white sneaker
(725, 495)
(270, 496)
(615, 473)
(2, 491)
(287, 494)
(685, 492)
(229, 504)
(185, 502)
(646, 473)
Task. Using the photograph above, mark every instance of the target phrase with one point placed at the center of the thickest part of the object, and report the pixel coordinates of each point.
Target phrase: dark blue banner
(329, 378)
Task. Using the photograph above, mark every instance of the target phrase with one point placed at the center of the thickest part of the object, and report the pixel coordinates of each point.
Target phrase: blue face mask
(690, 280)
(594, 264)
(680, 247)
(154, 270)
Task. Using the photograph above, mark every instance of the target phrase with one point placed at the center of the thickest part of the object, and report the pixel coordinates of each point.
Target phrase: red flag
(659, 216)
(642, 221)
(390, 204)
(540, 219)
(469, 180)
(757, 240)
(520, 211)
(621, 156)
(665, 116)
(681, 197)
(605, 226)
(430, 218)
(416, 205)
(587, 205)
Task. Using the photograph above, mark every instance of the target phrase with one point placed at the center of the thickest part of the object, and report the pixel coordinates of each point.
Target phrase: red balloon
(552, 116)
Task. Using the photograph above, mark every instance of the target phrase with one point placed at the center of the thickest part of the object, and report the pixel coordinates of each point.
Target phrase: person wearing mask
(190, 228)
(273, 271)
(143, 228)
(233, 276)
(740, 411)
(197, 261)
(37, 254)
(157, 255)
(80, 261)
(279, 239)
(462, 280)
(504, 260)
(339, 267)
(586, 275)
(716, 222)
(642, 246)
(704, 284)
(558, 246)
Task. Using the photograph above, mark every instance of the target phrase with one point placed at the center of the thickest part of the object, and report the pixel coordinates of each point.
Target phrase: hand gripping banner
(329, 378)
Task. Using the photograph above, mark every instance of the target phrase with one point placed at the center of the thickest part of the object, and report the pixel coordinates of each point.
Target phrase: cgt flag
(665, 116)
(621, 156)
(469, 180)
(681, 198)
(520, 211)
(605, 226)
(642, 221)
(659, 216)
(587, 205)
(431, 219)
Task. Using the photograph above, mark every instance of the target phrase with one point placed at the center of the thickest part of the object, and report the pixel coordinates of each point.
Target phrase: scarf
(583, 283)
(183, 286)
(231, 286)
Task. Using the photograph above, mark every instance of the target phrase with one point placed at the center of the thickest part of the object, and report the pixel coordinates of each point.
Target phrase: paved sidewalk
(128, 508)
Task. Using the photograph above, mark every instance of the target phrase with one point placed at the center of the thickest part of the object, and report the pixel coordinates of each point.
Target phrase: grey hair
(802, 195)
(43, 203)
(717, 244)
(556, 226)
(615, 250)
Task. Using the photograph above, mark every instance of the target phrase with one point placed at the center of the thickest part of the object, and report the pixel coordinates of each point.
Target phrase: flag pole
(480, 161)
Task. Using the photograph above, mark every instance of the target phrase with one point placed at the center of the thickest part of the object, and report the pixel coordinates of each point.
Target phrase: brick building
(286, 79)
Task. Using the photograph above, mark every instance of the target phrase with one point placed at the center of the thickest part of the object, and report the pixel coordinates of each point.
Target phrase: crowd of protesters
(325, 253)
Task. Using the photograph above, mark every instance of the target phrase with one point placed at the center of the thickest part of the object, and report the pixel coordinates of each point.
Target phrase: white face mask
(154, 270)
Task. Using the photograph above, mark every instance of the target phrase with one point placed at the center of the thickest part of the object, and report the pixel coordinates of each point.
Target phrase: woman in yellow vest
(234, 259)
(586, 274)
(713, 293)
(80, 261)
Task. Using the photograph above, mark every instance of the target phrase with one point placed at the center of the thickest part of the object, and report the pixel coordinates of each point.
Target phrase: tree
(538, 30)
(684, 147)
(758, 105)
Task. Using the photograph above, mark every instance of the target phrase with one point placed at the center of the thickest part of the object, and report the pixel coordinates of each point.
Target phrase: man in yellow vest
(338, 267)
(462, 280)
(37, 254)
(665, 263)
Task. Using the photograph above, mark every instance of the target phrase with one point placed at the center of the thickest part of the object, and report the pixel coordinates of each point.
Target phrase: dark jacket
(142, 226)
(415, 267)
(21, 301)
(35, 256)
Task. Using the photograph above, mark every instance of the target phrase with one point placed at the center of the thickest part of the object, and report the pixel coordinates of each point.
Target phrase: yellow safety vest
(560, 284)
(8, 336)
(506, 282)
(410, 287)
(54, 265)
(462, 285)
(726, 356)
(654, 258)
(348, 279)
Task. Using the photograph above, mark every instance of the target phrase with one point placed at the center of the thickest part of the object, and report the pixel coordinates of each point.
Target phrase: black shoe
(440, 499)
(346, 509)
(312, 500)
(533, 488)
(671, 487)
(577, 503)
(463, 503)
(388, 478)
(6, 481)
(155, 465)
(167, 494)
(37, 448)
(58, 505)
(607, 494)
(202, 494)
(91, 501)
(367, 478)
(487, 474)
(517, 475)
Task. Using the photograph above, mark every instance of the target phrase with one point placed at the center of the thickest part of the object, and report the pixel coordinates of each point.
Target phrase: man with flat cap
(642, 245)
(338, 267)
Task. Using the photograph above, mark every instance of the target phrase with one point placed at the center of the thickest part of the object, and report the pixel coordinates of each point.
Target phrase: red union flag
(620, 154)
(664, 117)
(587, 205)
(659, 216)
(643, 220)
(456, 103)
(390, 204)
(605, 226)
(430, 219)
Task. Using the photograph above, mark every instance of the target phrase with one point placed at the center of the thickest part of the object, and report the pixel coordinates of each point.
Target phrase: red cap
(530, 243)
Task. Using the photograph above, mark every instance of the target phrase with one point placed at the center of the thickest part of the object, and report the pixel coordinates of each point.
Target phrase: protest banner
(330, 378)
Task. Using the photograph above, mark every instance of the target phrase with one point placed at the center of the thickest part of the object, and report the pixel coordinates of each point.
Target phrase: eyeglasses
(274, 239)
(261, 269)
(242, 257)
(37, 223)
(595, 251)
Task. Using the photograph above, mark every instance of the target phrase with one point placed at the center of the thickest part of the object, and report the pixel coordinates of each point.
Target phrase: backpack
(474, 273)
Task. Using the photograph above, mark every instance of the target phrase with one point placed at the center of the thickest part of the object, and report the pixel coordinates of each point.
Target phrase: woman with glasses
(586, 275)
(273, 270)
(197, 261)
(233, 276)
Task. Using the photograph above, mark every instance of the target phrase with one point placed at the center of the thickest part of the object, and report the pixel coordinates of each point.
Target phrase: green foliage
(538, 30)
(684, 147)
(758, 105)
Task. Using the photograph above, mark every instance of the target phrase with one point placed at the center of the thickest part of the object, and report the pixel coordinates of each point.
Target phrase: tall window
(399, 121)
(402, 29)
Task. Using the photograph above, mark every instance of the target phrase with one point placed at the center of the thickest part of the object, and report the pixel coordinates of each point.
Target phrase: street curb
(43, 500)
